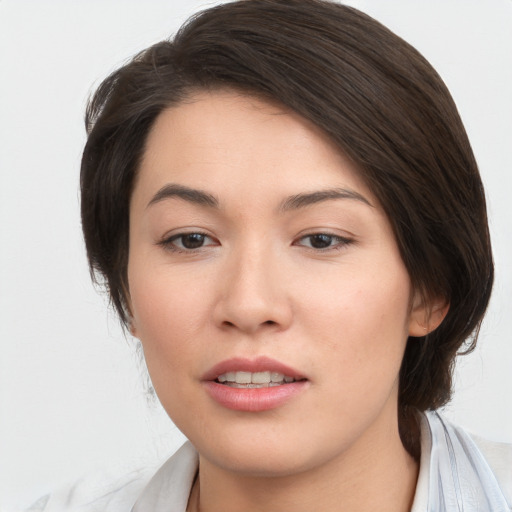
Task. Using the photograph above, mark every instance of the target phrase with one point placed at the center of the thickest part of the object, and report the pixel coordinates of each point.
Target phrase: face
(266, 287)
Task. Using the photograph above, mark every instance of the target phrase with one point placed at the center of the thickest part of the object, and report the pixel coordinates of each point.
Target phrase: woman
(287, 213)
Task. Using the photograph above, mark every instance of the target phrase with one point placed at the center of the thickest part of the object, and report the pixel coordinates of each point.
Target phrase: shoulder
(96, 493)
(499, 457)
(463, 469)
(140, 490)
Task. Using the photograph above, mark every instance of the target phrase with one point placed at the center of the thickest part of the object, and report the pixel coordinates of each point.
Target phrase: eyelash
(170, 245)
(340, 242)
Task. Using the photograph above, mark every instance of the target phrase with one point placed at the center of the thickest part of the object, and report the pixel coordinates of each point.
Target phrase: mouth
(253, 385)
(256, 380)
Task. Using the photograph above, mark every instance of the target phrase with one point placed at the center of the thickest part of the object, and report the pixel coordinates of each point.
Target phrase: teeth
(260, 378)
(246, 379)
(243, 377)
(276, 377)
(230, 376)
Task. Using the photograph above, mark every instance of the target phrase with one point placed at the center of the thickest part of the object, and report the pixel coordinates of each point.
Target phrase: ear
(426, 317)
(133, 328)
(128, 308)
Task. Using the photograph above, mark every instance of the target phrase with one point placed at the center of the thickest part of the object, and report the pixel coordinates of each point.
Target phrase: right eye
(187, 242)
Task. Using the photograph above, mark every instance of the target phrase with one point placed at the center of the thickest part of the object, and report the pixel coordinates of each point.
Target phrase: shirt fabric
(458, 473)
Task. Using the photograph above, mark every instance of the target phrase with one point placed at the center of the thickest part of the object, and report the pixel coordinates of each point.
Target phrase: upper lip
(260, 364)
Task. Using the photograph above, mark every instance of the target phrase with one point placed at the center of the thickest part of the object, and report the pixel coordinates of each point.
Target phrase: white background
(71, 391)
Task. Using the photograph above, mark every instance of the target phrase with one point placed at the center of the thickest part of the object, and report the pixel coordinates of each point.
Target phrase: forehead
(226, 141)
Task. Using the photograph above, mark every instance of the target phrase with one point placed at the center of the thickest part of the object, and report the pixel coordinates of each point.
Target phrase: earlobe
(133, 329)
(129, 310)
(425, 318)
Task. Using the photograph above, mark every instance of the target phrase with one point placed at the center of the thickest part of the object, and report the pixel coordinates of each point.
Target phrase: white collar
(169, 489)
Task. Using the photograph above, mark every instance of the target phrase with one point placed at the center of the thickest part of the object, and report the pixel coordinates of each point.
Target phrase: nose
(253, 294)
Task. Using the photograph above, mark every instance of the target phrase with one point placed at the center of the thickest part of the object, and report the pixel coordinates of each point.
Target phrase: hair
(373, 94)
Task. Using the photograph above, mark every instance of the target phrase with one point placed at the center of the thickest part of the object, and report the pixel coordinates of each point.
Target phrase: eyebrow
(306, 199)
(294, 202)
(191, 195)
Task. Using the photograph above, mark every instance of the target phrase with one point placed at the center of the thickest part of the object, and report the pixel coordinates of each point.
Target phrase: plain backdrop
(72, 393)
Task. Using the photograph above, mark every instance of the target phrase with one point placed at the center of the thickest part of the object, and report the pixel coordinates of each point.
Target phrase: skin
(340, 315)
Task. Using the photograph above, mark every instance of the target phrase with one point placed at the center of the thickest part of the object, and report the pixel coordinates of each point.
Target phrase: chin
(260, 461)
(266, 452)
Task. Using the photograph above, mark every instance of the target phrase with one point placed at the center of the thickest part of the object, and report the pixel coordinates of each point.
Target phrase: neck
(376, 473)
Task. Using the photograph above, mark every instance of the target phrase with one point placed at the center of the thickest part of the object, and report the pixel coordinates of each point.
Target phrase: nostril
(229, 324)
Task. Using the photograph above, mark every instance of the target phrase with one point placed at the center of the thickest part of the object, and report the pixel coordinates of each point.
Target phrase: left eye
(323, 241)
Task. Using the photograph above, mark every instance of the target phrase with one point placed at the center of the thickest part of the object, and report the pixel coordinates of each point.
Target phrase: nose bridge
(253, 294)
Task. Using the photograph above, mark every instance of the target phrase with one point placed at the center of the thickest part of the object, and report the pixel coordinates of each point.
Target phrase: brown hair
(377, 98)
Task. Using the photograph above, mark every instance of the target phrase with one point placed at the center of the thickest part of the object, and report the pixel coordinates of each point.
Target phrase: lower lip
(253, 399)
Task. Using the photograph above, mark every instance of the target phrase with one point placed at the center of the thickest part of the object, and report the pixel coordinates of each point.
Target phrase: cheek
(164, 301)
(168, 314)
(167, 321)
(367, 306)
(361, 324)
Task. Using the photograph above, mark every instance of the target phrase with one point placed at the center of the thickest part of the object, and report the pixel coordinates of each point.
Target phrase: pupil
(321, 241)
(193, 241)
